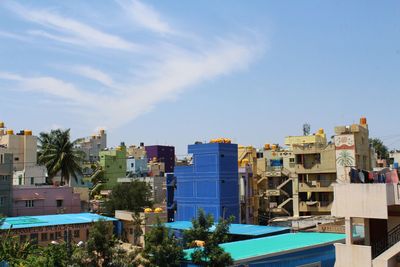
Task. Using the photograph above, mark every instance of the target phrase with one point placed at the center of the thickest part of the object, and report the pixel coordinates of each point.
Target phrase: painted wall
(44, 200)
(164, 154)
(6, 167)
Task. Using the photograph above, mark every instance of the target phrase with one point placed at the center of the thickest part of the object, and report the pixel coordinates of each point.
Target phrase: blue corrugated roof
(273, 245)
(51, 220)
(236, 229)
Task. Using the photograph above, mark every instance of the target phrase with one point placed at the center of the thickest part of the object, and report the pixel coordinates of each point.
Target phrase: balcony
(323, 185)
(315, 168)
(315, 206)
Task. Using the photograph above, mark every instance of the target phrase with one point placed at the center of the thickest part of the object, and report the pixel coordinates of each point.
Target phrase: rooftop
(51, 220)
(275, 245)
(236, 229)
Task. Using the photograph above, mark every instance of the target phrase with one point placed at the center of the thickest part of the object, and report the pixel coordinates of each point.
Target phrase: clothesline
(383, 176)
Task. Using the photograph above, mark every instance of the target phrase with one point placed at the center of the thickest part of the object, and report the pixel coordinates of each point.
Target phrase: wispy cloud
(145, 16)
(70, 30)
(169, 70)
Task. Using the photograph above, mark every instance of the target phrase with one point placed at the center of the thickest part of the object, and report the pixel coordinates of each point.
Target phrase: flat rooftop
(51, 220)
(276, 245)
(236, 229)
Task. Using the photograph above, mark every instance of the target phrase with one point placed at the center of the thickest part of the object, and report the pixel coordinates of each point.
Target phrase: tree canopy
(134, 196)
(210, 253)
(161, 248)
(380, 148)
(58, 153)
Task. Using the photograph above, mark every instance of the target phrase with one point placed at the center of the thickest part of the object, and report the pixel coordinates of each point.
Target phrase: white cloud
(94, 74)
(145, 16)
(72, 31)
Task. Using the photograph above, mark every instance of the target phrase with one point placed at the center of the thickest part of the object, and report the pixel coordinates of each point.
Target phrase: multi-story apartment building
(92, 146)
(113, 165)
(164, 154)
(210, 183)
(6, 172)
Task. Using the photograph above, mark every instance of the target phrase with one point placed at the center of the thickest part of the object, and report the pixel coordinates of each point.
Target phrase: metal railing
(384, 244)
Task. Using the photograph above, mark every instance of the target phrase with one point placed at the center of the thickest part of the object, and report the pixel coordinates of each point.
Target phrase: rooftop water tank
(363, 121)
(27, 132)
(10, 132)
(1, 124)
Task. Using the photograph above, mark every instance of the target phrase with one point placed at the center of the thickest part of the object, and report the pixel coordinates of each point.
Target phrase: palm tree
(59, 155)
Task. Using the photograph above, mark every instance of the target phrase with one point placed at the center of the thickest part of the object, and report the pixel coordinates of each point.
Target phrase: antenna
(306, 129)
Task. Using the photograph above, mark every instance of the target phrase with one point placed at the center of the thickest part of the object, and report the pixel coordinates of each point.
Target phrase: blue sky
(173, 72)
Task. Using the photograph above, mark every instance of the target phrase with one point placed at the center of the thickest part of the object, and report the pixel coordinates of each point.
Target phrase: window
(59, 203)
(1, 159)
(3, 200)
(132, 165)
(16, 158)
(291, 160)
(77, 233)
(32, 180)
(58, 235)
(19, 179)
(51, 236)
(131, 231)
(29, 203)
(44, 236)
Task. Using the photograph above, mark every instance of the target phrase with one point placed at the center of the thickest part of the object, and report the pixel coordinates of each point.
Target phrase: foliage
(13, 251)
(54, 255)
(380, 148)
(137, 228)
(58, 154)
(134, 196)
(211, 254)
(161, 248)
(101, 243)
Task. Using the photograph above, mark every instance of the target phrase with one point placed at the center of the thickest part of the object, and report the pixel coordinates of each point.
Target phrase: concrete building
(136, 166)
(147, 219)
(211, 183)
(394, 157)
(6, 172)
(165, 154)
(137, 152)
(42, 230)
(92, 145)
(249, 200)
(378, 207)
(113, 164)
(44, 200)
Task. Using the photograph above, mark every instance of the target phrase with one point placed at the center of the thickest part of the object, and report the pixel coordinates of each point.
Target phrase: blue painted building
(210, 183)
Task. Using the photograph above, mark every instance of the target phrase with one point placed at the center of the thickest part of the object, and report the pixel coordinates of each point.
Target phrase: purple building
(165, 154)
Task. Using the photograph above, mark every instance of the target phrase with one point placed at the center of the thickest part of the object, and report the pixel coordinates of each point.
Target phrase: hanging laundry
(392, 177)
(361, 176)
(353, 175)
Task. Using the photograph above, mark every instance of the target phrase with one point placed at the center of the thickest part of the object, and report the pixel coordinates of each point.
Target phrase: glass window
(22, 238)
(52, 236)
(32, 180)
(29, 203)
(2, 201)
(59, 203)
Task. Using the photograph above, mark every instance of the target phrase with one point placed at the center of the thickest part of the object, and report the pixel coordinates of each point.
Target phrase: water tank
(1, 124)
(363, 121)
(321, 131)
(102, 131)
(267, 146)
(158, 210)
(10, 132)
(274, 147)
(148, 210)
(27, 132)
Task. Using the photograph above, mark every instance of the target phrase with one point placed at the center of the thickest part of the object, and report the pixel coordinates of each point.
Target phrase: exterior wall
(353, 255)
(31, 175)
(6, 170)
(113, 163)
(211, 183)
(137, 166)
(44, 200)
(23, 148)
(92, 146)
(137, 152)
(306, 139)
(165, 154)
(156, 183)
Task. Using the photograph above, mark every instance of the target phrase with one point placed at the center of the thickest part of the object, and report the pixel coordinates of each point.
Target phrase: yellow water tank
(274, 147)
(27, 132)
(321, 131)
(1, 124)
(158, 210)
(10, 132)
(267, 146)
(148, 210)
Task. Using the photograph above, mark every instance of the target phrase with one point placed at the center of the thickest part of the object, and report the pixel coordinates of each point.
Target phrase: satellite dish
(306, 129)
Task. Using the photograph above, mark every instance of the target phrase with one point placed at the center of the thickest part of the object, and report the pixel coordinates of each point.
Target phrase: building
(156, 184)
(45, 229)
(377, 206)
(165, 154)
(113, 165)
(136, 166)
(210, 183)
(146, 219)
(45, 200)
(137, 152)
(249, 200)
(23, 147)
(395, 158)
(92, 145)
(289, 250)
(6, 173)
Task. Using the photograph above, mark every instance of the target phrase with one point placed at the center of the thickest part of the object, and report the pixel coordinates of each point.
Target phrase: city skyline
(177, 72)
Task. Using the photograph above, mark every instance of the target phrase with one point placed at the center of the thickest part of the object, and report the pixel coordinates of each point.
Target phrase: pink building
(45, 200)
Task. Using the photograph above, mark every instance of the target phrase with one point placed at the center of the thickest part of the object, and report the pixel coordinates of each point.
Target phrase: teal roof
(274, 245)
(236, 229)
(51, 220)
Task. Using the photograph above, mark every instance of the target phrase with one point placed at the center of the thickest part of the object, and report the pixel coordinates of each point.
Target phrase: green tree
(137, 228)
(161, 248)
(58, 153)
(380, 148)
(13, 251)
(210, 254)
(134, 196)
(54, 255)
(101, 243)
